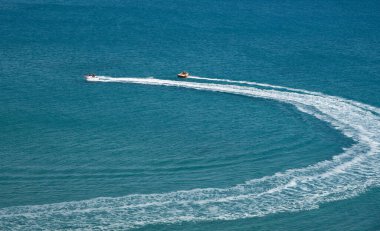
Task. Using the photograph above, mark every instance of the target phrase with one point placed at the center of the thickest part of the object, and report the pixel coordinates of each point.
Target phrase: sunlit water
(276, 129)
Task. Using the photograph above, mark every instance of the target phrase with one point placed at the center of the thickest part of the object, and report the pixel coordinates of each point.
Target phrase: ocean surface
(277, 128)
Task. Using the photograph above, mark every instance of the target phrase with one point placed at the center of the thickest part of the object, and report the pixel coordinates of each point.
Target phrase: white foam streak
(364, 106)
(344, 176)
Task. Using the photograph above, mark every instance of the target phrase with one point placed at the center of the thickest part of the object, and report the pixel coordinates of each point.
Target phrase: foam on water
(344, 176)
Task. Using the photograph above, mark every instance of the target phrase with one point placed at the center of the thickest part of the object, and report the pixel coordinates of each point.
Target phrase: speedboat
(183, 74)
(91, 77)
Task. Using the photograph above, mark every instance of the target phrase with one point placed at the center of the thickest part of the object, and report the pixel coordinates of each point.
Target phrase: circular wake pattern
(344, 176)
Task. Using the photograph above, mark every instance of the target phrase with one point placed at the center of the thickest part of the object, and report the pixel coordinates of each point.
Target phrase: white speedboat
(91, 77)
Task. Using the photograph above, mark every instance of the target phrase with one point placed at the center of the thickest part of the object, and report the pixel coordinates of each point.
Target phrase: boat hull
(183, 75)
(90, 78)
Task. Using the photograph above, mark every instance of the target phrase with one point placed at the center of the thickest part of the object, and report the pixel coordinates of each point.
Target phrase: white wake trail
(344, 176)
(365, 106)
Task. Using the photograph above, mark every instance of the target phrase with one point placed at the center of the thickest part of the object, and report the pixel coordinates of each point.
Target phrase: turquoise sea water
(128, 152)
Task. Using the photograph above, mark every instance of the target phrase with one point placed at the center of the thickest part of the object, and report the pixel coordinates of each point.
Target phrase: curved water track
(344, 176)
